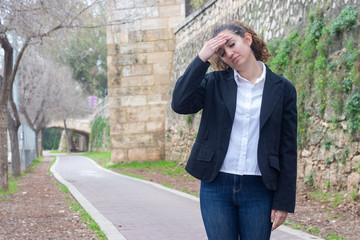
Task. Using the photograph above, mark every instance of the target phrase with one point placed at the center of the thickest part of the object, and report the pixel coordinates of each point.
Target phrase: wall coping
(193, 15)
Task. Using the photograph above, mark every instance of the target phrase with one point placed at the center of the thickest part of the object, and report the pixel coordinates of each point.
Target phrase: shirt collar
(259, 79)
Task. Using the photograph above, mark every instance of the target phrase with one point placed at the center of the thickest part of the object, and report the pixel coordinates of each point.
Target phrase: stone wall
(271, 19)
(140, 40)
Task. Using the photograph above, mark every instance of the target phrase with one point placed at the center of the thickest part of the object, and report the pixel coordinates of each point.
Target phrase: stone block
(112, 50)
(154, 23)
(118, 155)
(137, 36)
(161, 46)
(152, 12)
(159, 34)
(145, 47)
(130, 59)
(138, 114)
(157, 112)
(140, 69)
(113, 80)
(155, 154)
(353, 181)
(137, 81)
(116, 116)
(133, 128)
(139, 100)
(170, 11)
(138, 154)
(162, 79)
(134, 25)
(160, 57)
(140, 3)
(164, 68)
(110, 35)
(159, 98)
(174, 21)
(165, 2)
(123, 4)
(128, 48)
(154, 126)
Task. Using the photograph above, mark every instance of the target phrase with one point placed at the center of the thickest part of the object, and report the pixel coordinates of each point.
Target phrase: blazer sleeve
(189, 91)
(285, 195)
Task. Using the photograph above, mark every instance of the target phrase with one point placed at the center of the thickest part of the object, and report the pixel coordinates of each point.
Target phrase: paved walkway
(133, 209)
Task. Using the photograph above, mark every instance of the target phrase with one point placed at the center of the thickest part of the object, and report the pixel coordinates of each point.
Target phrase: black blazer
(216, 93)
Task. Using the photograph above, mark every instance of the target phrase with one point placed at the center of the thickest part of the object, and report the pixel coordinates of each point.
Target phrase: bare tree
(31, 21)
(54, 94)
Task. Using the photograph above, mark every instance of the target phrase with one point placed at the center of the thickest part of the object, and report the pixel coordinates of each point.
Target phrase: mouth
(234, 59)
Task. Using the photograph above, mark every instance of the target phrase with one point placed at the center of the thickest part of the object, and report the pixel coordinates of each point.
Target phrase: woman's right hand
(210, 47)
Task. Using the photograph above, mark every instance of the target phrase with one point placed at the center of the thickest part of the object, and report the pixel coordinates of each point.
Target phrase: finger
(273, 212)
(275, 226)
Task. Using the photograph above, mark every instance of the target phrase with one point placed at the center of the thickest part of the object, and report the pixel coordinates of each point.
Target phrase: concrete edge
(157, 185)
(106, 226)
(298, 233)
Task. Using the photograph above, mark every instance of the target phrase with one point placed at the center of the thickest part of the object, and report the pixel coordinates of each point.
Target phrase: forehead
(228, 33)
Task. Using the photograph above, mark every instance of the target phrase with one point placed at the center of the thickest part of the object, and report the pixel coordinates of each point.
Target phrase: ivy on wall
(100, 134)
(325, 81)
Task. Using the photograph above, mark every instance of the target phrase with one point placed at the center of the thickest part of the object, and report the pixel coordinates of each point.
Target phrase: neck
(251, 71)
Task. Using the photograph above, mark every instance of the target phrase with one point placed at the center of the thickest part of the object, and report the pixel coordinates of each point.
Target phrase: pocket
(274, 162)
(202, 152)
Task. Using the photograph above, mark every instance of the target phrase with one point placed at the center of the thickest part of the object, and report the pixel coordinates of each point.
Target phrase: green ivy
(322, 83)
(100, 129)
(353, 111)
(346, 20)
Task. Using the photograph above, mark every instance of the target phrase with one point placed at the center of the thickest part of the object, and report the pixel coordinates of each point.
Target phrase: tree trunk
(15, 163)
(39, 147)
(68, 142)
(4, 181)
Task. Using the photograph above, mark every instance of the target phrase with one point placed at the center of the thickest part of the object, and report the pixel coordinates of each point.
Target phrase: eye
(232, 44)
(221, 53)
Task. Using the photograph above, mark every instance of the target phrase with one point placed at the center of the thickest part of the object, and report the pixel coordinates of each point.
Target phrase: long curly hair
(258, 45)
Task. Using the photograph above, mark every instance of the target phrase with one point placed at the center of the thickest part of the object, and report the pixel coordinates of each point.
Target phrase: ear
(248, 39)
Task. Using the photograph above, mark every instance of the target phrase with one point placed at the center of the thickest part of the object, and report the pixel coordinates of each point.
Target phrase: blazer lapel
(228, 90)
(271, 95)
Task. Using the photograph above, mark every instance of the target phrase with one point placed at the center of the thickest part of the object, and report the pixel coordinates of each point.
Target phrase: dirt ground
(39, 211)
(318, 217)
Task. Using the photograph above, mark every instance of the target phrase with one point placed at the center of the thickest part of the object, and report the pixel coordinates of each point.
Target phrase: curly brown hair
(258, 45)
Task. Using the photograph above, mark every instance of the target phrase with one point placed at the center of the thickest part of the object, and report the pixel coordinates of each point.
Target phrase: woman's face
(236, 51)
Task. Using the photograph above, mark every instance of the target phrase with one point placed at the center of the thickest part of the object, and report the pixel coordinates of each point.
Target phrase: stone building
(141, 46)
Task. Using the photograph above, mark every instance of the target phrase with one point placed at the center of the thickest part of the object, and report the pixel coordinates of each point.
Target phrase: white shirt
(241, 157)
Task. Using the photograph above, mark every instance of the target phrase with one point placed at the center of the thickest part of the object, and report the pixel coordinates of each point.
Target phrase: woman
(245, 152)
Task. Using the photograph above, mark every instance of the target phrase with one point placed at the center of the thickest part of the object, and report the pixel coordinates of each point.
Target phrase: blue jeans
(236, 207)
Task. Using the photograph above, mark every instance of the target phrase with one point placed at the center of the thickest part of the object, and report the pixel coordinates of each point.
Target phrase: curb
(105, 225)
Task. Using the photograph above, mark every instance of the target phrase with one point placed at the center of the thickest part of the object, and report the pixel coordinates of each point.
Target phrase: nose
(228, 53)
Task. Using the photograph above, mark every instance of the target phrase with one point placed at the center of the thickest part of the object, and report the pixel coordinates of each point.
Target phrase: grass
(56, 151)
(85, 217)
(333, 199)
(103, 158)
(167, 167)
(333, 236)
(12, 186)
(35, 162)
(313, 230)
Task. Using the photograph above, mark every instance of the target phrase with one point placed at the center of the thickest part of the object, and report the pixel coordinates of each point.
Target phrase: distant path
(133, 209)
